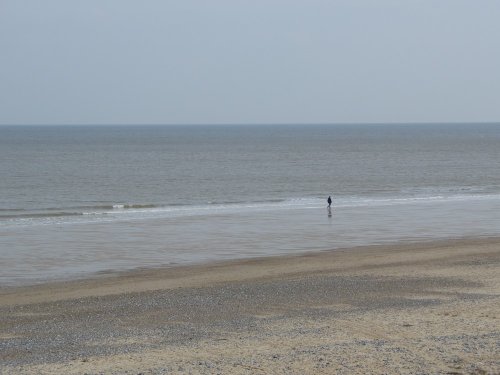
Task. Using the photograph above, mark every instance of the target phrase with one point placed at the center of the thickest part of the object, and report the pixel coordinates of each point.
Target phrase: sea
(83, 201)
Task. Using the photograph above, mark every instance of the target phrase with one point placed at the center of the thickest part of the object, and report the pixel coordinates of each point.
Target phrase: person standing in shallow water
(329, 200)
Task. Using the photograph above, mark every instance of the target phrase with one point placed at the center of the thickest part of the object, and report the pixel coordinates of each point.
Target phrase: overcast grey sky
(248, 61)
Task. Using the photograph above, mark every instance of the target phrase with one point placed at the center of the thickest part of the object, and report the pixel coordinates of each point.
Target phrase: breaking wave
(131, 211)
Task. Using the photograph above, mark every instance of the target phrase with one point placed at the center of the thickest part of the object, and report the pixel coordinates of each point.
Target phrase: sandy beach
(425, 308)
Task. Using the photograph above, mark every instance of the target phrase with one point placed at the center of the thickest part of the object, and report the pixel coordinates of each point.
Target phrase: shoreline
(193, 275)
(35, 254)
(425, 307)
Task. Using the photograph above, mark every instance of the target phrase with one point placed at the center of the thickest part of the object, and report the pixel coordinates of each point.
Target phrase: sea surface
(76, 201)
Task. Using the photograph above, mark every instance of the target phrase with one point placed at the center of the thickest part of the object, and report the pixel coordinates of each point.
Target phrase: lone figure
(329, 200)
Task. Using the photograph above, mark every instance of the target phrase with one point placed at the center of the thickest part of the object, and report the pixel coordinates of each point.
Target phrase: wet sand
(406, 308)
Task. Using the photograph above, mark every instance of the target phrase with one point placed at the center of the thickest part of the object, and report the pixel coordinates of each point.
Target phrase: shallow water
(72, 250)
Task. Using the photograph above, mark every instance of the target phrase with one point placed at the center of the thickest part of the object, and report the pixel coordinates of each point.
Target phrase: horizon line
(269, 124)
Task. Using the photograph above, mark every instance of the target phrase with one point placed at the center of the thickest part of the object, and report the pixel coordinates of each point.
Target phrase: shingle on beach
(405, 308)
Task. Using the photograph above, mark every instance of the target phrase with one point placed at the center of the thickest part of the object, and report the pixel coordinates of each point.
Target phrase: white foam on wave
(124, 212)
(380, 201)
(292, 203)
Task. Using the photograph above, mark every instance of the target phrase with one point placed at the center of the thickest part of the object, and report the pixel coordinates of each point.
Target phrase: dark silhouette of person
(329, 200)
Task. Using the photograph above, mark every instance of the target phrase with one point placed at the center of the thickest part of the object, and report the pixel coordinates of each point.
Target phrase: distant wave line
(157, 210)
